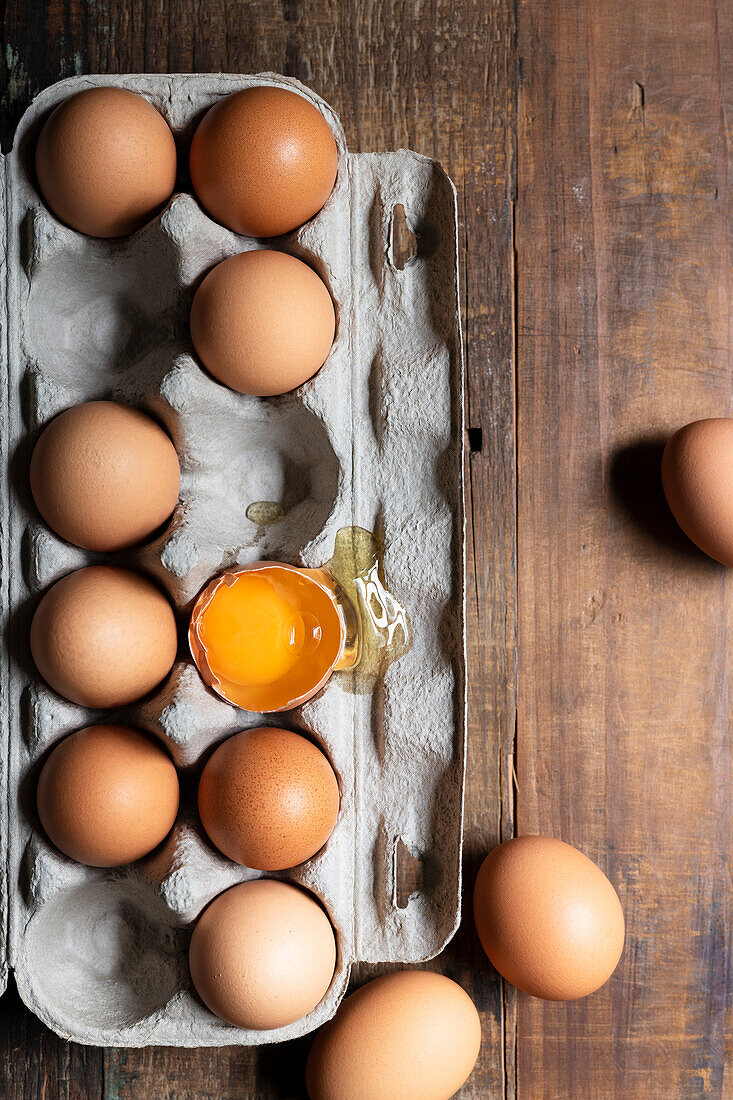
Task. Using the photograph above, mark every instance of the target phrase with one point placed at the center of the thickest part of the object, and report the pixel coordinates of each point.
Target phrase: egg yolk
(266, 637)
(253, 629)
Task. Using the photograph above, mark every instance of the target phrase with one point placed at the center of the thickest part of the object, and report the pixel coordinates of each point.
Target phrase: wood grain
(589, 142)
(624, 315)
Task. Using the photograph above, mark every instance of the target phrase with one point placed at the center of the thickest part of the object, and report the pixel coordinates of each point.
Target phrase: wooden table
(589, 141)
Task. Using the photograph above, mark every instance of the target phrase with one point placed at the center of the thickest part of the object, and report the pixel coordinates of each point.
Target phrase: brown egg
(548, 918)
(104, 476)
(262, 954)
(263, 161)
(107, 795)
(413, 1034)
(103, 636)
(268, 798)
(697, 474)
(262, 322)
(106, 161)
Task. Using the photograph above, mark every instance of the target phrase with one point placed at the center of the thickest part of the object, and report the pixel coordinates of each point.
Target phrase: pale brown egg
(262, 954)
(103, 636)
(104, 476)
(697, 475)
(268, 798)
(106, 161)
(263, 161)
(262, 322)
(548, 918)
(412, 1035)
(107, 795)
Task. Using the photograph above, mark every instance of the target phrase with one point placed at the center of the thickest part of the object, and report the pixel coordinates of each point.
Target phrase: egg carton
(374, 440)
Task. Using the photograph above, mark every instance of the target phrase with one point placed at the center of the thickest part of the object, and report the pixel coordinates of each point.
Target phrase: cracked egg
(267, 636)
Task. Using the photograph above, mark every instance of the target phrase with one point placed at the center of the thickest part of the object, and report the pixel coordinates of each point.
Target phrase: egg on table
(103, 636)
(697, 475)
(104, 476)
(262, 954)
(263, 161)
(106, 161)
(262, 322)
(548, 918)
(107, 795)
(268, 798)
(411, 1035)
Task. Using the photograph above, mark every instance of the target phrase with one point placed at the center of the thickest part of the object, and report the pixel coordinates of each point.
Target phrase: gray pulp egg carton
(373, 440)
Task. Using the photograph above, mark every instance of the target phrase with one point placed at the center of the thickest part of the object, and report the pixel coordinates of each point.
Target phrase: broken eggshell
(325, 638)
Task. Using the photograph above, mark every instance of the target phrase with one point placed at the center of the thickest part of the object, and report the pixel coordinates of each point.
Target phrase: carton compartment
(103, 950)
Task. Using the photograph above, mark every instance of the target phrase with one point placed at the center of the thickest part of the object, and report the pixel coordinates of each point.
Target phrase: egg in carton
(373, 440)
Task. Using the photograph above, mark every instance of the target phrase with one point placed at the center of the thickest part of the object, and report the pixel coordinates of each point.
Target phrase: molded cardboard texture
(374, 440)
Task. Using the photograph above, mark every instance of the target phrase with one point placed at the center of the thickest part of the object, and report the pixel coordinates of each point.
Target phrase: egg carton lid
(385, 179)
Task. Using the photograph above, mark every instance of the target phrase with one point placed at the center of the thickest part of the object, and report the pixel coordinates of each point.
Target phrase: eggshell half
(262, 954)
(412, 1035)
(548, 918)
(697, 475)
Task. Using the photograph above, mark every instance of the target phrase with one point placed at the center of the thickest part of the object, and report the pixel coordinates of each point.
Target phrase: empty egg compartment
(373, 440)
(236, 452)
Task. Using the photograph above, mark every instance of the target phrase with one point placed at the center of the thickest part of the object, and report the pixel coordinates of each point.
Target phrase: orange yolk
(253, 631)
(266, 637)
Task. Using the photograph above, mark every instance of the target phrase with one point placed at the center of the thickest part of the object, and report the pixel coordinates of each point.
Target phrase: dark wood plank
(35, 1063)
(439, 79)
(624, 314)
(485, 176)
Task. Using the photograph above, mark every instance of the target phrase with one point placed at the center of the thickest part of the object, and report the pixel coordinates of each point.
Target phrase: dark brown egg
(268, 798)
(263, 161)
